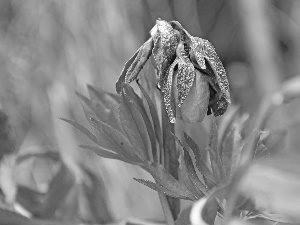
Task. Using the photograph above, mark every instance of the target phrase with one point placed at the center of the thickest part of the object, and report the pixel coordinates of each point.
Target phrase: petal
(213, 59)
(165, 42)
(135, 64)
(143, 55)
(186, 73)
(185, 80)
(169, 98)
(195, 105)
(203, 51)
(197, 52)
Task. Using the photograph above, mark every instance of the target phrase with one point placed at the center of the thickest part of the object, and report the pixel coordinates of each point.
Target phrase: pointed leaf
(191, 172)
(113, 140)
(141, 118)
(231, 151)
(105, 154)
(227, 119)
(154, 115)
(134, 127)
(82, 129)
(101, 111)
(165, 179)
(214, 156)
(200, 162)
(159, 188)
(110, 100)
(184, 178)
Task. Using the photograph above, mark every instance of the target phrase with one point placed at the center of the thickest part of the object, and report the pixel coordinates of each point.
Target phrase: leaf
(193, 175)
(231, 151)
(137, 104)
(191, 172)
(82, 129)
(214, 152)
(184, 178)
(105, 154)
(111, 139)
(134, 127)
(154, 116)
(227, 120)
(200, 162)
(165, 179)
(159, 188)
(194, 107)
(99, 110)
(110, 100)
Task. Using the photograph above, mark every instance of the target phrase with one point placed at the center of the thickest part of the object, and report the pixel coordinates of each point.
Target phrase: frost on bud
(165, 43)
(203, 54)
(190, 73)
(135, 64)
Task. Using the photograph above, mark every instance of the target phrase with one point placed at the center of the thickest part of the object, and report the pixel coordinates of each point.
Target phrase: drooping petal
(165, 42)
(143, 55)
(213, 59)
(135, 64)
(203, 51)
(168, 91)
(186, 74)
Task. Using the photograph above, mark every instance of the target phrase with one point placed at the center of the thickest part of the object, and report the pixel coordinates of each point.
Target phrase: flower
(190, 74)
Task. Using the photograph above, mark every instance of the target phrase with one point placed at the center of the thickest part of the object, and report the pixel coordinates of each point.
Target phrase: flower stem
(166, 209)
(171, 154)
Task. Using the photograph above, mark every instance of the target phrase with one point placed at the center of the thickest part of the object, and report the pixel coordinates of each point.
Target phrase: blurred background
(51, 48)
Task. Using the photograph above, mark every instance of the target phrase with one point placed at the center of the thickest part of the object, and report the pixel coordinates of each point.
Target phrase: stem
(166, 209)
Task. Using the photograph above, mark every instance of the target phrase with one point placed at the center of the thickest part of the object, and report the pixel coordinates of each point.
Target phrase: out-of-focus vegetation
(50, 48)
